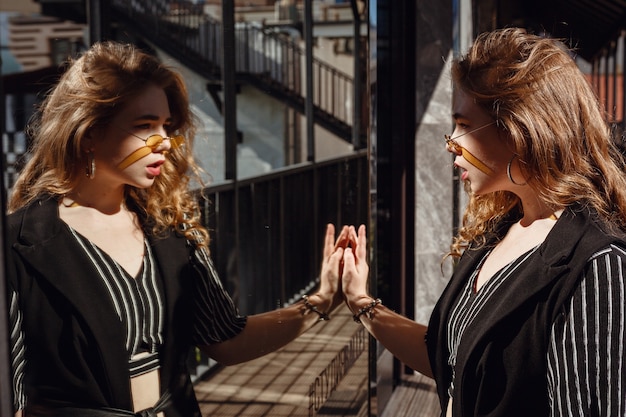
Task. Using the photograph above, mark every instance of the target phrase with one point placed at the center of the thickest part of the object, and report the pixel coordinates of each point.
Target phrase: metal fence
(267, 232)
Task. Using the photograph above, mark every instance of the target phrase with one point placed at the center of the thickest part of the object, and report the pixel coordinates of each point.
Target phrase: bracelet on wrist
(310, 307)
(368, 310)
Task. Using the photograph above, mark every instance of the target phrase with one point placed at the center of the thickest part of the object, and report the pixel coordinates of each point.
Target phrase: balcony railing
(267, 232)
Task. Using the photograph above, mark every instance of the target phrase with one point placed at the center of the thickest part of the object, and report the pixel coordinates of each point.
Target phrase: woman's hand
(269, 331)
(355, 270)
(403, 337)
(329, 295)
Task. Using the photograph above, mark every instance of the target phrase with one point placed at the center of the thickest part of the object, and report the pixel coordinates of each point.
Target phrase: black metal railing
(267, 232)
(266, 57)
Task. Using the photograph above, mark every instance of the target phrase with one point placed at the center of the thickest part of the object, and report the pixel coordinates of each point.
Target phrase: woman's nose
(166, 145)
(452, 146)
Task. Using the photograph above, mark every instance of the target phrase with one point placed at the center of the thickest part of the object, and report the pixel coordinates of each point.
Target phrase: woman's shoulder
(606, 267)
(614, 250)
(34, 215)
(44, 202)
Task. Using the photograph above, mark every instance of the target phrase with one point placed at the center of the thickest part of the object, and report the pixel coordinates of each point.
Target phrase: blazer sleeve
(216, 317)
(587, 373)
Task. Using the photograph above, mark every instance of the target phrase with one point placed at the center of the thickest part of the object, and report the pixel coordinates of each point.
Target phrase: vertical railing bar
(623, 36)
(613, 97)
(605, 63)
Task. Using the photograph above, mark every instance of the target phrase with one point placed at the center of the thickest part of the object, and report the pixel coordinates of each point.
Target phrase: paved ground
(300, 380)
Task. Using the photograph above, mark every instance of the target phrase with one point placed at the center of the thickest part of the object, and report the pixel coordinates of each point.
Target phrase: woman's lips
(463, 172)
(155, 169)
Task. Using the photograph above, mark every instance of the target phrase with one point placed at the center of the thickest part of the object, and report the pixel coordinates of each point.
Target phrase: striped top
(471, 302)
(586, 367)
(139, 305)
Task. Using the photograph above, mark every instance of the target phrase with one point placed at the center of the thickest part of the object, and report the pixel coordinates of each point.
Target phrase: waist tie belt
(47, 411)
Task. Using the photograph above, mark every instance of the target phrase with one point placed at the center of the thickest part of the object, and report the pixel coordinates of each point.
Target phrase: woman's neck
(534, 210)
(108, 201)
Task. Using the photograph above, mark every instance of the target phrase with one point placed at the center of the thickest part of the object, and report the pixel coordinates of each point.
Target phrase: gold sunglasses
(152, 143)
(453, 145)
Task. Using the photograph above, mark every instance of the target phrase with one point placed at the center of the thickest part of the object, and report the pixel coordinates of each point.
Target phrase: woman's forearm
(266, 332)
(403, 337)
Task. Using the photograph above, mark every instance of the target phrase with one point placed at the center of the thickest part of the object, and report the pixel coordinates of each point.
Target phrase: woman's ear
(87, 142)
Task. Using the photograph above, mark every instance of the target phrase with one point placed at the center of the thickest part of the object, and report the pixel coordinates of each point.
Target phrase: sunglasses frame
(454, 145)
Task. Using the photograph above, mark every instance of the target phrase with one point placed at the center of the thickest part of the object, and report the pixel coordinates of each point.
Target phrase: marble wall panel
(433, 164)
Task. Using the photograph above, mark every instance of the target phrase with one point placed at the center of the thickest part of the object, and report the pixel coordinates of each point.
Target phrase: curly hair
(89, 94)
(533, 88)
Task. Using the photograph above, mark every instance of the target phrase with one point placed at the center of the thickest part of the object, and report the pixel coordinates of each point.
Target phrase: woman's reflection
(109, 274)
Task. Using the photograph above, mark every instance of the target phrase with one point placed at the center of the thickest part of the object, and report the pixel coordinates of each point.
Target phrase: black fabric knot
(160, 405)
(148, 412)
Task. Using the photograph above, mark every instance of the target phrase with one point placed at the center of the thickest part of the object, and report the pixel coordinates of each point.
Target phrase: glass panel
(267, 222)
(268, 225)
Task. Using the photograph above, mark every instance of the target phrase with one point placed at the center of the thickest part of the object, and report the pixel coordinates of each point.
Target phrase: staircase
(265, 58)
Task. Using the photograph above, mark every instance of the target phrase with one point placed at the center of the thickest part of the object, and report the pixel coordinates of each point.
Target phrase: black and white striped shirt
(138, 303)
(586, 366)
(586, 361)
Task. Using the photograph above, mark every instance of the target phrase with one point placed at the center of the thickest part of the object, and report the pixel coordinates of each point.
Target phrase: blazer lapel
(172, 258)
(551, 263)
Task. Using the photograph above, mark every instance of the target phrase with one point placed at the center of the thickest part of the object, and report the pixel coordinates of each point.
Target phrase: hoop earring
(90, 169)
(508, 172)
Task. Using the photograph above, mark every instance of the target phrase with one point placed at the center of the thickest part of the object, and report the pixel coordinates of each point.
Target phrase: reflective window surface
(282, 157)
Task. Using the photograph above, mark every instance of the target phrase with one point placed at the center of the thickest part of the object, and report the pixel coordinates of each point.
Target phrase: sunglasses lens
(154, 141)
(177, 141)
(451, 145)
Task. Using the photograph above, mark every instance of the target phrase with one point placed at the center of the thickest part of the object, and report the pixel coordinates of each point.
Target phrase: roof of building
(587, 25)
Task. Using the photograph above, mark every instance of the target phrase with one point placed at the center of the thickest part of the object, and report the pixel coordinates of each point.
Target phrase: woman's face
(483, 152)
(120, 151)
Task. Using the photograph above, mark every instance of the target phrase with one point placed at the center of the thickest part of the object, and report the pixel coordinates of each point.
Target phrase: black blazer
(502, 358)
(75, 352)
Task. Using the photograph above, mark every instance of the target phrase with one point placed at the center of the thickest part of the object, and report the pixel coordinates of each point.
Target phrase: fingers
(361, 246)
(345, 271)
(343, 238)
(349, 261)
(358, 241)
(331, 264)
(348, 236)
(335, 259)
(350, 246)
(354, 276)
(355, 269)
(329, 240)
(331, 270)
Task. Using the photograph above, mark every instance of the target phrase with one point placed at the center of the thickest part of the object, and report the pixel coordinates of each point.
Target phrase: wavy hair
(533, 88)
(89, 94)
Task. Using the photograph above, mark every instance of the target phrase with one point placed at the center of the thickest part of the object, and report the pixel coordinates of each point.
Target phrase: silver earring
(90, 169)
(508, 171)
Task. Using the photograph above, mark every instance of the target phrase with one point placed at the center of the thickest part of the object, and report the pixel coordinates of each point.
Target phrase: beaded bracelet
(311, 307)
(368, 310)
